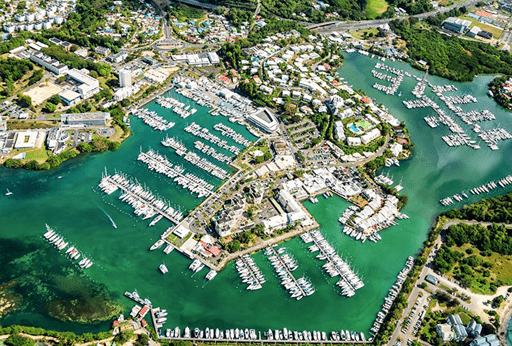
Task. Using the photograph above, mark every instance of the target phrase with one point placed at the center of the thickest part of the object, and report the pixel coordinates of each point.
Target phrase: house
(396, 149)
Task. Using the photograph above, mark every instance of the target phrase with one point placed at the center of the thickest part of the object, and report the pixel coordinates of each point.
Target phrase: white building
(354, 141)
(396, 148)
(264, 119)
(370, 136)
(26, 139)
(88, 85)
(125, 78)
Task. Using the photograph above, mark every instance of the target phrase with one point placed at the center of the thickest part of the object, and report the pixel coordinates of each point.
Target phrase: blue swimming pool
(354, 128)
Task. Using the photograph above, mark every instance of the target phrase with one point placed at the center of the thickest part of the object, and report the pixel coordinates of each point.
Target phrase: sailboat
(8, 193)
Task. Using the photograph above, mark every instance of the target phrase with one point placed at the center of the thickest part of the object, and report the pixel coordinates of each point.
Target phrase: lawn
(375, 8)
(38, 154)
(496, 32)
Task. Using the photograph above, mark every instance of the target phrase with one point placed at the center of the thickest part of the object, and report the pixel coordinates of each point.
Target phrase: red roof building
(366, 99)
(115, 324)
(401, 140)
(143, 311)
(144, 323)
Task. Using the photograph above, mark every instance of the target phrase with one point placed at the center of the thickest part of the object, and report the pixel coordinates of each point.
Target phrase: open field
(375, 8)
(42, 92)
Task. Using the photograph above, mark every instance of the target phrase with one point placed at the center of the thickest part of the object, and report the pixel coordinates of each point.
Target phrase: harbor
(452, 103)
(284, 265)
(143, 201)
(435, 171)
(335, 266)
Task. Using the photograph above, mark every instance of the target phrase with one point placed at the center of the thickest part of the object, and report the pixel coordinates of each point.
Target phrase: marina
(162, 165)
(142, 200)
(249, 272)
(335, 266)
(195, 159)
(284, 265)
(153, 119)
(176, 106)
(451, 104)
(203, 133)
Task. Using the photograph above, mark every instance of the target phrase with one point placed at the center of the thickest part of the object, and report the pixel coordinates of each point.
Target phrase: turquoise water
(122, 260)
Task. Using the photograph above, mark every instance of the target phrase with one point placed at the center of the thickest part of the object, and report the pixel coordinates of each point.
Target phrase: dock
(288, 271)
(138, 195)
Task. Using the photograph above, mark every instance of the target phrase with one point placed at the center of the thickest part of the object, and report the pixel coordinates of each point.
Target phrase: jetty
(143, 200)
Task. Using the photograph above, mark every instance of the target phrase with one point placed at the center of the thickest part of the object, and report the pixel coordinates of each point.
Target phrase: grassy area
(360, 34)
(24, 125)
(496, 32)
(38, 154)
(501, 269)
(177, 241)
(374, 8)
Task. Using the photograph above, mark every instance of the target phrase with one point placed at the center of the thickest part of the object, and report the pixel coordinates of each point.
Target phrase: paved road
(333, 26)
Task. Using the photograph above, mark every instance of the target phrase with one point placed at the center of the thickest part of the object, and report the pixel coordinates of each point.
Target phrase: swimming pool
(354, 128)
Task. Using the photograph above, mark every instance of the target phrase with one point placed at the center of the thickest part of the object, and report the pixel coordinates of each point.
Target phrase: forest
(12, 70)
(451, 57)
(492, 209)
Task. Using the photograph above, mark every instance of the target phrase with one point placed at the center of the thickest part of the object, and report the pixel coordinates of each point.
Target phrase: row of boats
(176, 106)
(250, 334)
(205, 165)
(162, 165)
(230, 133)
(283, 265)
(152, 119)
(484, 188)
(196, 267)
(335, 265)
(204, 133)
(206, 149)
(181, 149)
(452, 102)
(249, 272)
(140, 198)
(392, 294)
(60, 243)
(395, 81)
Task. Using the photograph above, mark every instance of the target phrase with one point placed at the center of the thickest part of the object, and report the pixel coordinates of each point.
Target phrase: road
(333, 26)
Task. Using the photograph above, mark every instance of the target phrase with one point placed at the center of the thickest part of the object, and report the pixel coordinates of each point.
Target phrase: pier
(109, 180)
(349, 281)
(284, 271)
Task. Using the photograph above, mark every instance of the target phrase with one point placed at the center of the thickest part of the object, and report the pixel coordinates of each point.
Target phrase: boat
(155, 220)
(211, 274)
(8, 193)
(168, 249)
(163, 268)
(157, 245)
